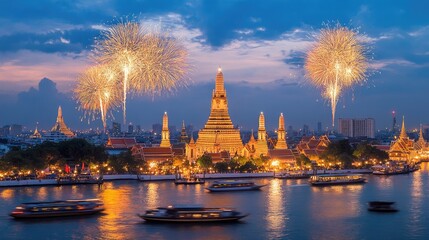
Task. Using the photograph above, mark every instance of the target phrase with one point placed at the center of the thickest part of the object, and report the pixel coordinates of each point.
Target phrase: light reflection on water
(283, 209)
(276, 216)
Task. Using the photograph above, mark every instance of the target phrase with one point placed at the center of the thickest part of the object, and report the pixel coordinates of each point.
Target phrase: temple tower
(403, 134)
(219, 134)
(281, 134)
(261, 145)
(60, 126)
(165, 134)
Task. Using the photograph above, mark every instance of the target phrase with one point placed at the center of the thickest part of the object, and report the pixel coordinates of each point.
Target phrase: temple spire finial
(403, 133)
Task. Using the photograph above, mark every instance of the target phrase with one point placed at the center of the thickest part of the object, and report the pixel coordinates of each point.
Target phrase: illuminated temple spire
(60, 125)
(281, 134)
(421, 141)
(219, 134)
(261, 145)
(403, 133)
(165, 140)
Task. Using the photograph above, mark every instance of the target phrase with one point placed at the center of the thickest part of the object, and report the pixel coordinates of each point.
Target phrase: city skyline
(261, 53)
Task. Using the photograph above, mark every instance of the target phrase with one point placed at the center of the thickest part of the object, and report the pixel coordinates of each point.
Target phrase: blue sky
(261, 46)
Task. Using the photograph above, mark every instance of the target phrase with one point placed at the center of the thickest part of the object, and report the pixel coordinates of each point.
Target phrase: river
(284, 209)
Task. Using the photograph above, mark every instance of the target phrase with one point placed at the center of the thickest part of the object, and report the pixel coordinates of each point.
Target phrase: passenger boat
(380, 206)
(189, 181)
(58, 208)
(337, 179)
(191, 213)
(293, 175)
(395, 170)
(223, 186)
(79, 179)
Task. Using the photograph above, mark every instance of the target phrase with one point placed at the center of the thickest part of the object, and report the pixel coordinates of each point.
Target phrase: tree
(365, 152)
(249, 166)
(205, 161)
(221, 167)
(303, 161)
(337, 152)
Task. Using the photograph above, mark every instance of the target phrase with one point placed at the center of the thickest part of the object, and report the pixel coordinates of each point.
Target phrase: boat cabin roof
(185, 206)
(232, 182)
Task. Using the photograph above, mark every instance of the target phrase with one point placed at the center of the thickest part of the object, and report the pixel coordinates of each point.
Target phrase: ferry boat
(380, 206)
(395, 170)
(223, 186)
(79, 179)
(337, 179)
(189, 181)
(293, 175)
(191, 213)
(58, 208)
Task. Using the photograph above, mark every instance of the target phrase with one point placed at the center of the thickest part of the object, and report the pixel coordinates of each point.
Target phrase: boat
(192, 180)
(380, 206)
(191, 214)
(395, 170)
(224, 186)
(79, 179)
(293, 175)
(336, 179)
(58, 208)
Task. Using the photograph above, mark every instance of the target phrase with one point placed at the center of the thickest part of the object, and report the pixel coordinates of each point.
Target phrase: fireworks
(96, 91)
(336, 61)
(119, 47)
(147, 62)
(164, 64)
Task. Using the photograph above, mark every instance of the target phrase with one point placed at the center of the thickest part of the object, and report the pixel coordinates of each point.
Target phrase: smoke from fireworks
(335, 62)
(96, 91)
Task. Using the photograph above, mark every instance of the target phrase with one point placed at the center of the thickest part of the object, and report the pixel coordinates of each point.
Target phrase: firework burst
(163, 64)
(96, 92)
(336, 61)
(147, 62)
(120, 46)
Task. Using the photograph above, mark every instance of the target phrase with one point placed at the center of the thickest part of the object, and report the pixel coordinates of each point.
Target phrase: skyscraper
(364, 127)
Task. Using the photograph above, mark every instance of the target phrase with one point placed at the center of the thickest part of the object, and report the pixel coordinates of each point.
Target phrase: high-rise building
(364, 127)
(394, 126)
(15, 130)
(305, 130)
(156, 128)
(130, 128)
(116, 128)
(138, 129)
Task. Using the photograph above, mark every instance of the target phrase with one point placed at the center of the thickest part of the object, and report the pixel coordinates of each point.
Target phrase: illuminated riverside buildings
(405, 149)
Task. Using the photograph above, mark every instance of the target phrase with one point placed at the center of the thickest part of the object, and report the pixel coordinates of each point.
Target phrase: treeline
(51, 154)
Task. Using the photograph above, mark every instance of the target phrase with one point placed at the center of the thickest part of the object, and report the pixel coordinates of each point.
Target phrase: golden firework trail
(96, 91)
(335, 62)
(120, 46)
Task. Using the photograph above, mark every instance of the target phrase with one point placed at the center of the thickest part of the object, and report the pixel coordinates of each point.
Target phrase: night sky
(260, 45)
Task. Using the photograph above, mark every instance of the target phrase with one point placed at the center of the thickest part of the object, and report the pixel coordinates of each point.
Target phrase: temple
(218, 134)
(403, 148)
(281, 134)
(165, 134)
(59, 132)
(261, 148)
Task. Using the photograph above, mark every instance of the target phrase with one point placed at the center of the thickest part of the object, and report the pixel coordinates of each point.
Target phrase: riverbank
(119, 177)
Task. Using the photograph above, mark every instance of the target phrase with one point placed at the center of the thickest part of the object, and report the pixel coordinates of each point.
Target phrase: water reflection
(7, 194)
(276, 215)
(152, 195)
